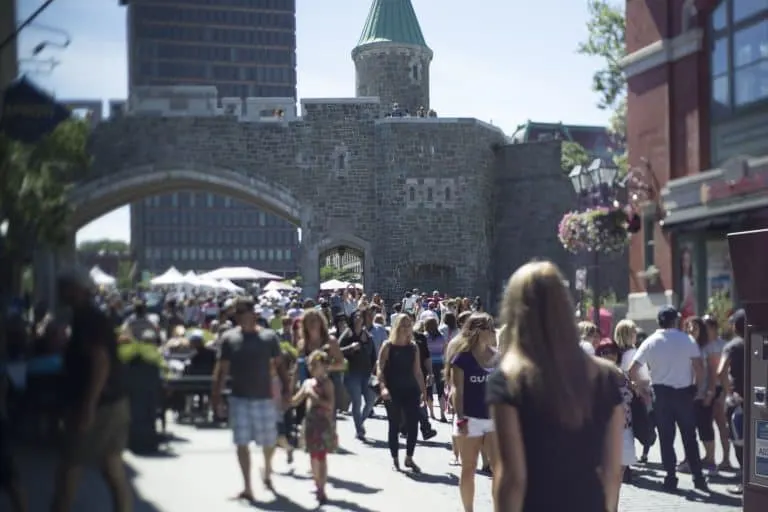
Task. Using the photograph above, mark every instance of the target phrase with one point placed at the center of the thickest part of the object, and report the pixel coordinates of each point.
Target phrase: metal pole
(596, 291)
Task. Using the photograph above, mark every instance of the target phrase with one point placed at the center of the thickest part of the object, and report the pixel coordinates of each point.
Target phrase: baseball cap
(195, 334)
(667, 314)
(738, 316)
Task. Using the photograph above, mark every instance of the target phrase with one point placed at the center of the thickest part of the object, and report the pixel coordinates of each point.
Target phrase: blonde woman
(471, 359)
(402, 388)
(557, 412)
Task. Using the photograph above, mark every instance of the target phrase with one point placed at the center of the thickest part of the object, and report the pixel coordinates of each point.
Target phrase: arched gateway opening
(96, 197)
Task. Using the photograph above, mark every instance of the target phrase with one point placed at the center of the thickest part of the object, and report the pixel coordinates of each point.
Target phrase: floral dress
(319, 425)
(628, 452)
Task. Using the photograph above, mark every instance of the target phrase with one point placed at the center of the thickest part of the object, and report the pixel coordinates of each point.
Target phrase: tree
(125, 274)
(329, 272)
(34, 184)
(607, 36)
(573, 154)
(607, 40)
(104, 245)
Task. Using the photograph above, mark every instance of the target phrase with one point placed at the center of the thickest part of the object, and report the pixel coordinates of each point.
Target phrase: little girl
(319, 422)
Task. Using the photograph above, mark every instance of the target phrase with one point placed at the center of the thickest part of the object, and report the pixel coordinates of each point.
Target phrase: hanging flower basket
(605, 230)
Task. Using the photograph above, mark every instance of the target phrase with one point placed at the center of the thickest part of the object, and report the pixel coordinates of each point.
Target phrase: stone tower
(392, 59)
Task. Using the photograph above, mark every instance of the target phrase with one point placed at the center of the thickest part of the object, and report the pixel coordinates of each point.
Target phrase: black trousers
(675, 407)
(403, 407)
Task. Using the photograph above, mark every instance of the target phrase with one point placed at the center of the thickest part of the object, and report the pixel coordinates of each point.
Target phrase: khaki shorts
(107, 436)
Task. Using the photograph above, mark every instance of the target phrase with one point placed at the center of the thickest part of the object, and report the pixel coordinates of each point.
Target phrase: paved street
(201, 474)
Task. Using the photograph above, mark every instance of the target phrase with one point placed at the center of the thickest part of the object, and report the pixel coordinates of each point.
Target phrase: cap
(667, 314)
(606, 345)
(738, 316)
(77, 276)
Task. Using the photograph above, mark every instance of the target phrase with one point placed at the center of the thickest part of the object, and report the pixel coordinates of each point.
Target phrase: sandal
(267, 481)
(247, 496)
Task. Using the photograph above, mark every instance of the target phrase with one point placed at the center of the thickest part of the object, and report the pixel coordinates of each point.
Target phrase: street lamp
(595, 186)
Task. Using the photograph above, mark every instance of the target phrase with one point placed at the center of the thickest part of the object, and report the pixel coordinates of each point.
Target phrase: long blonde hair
(464, 341)
(396, 327)
(541, 344)
(624, 334)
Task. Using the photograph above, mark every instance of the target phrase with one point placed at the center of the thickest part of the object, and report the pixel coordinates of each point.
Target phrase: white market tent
(240, 274)
(191, 279)
(169, 277)
(333, 284)
(229, 286)
(277, 286)
(101, 278)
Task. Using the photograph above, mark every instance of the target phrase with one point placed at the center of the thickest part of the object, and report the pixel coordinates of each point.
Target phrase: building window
(415, 72)
(209, 200)
(429, 194)
(649, 228)
(411, 194)
(447, 193)
(739, 54)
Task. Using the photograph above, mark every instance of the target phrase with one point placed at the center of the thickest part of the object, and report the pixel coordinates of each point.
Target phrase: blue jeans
(358, 389)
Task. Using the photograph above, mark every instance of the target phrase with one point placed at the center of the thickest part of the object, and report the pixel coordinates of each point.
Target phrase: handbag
(642, 423)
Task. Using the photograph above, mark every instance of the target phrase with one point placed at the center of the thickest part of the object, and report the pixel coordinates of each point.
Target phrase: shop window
(738, 55)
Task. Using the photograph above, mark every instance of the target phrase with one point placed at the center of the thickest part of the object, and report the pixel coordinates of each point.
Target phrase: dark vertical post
(596, 290)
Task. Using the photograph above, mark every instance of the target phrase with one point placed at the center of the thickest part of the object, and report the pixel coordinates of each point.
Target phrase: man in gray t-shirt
(250, 354)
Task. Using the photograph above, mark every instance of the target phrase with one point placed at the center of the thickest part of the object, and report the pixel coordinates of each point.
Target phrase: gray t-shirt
(250, 355)
(710, 349)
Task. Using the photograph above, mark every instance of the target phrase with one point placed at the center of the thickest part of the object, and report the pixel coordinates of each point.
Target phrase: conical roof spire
(392, 21)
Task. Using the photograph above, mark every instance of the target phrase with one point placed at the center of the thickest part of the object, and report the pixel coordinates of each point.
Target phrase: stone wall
(531, 195)
(431, 242)
(395, 73)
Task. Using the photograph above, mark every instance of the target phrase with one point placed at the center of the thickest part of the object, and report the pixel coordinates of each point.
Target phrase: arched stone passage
(95, 198)
(364, 247)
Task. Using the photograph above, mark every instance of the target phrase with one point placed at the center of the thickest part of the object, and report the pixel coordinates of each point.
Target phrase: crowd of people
(542, 399)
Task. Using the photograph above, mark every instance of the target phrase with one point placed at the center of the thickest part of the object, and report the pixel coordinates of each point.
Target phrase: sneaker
(736, 489)
(429, 435)
(710, 468)
(683, 467)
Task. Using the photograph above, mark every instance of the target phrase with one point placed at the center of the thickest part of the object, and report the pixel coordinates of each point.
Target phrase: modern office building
(245, 48)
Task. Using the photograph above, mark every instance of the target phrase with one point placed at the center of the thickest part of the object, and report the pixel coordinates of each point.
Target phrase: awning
(710, 216)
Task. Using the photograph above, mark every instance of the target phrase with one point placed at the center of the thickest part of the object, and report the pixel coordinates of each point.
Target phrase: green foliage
(125, 272)
(329, 272)
(34, 184)
(104, 245)
(720, 306)
(607, 35)
(573, 154)
(608, 299)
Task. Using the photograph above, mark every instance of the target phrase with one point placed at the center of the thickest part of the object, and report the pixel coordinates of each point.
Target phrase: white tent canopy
(333, 284)
(240, 274)
(101, 278)
(228, 285)
(170, 277)
(191, 279)
(277, 285)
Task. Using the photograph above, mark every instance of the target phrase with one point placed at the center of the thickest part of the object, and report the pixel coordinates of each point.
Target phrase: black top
(735, 350)
(557, 454)
(398, 370)
(202, 362)
(362, 359)
(424, 354)
(90, 326)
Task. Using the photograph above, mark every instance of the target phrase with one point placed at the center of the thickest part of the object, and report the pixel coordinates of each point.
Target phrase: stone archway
(93, 198)
(346, 239)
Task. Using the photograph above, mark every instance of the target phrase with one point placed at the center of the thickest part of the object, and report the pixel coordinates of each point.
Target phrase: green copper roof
(392, 21)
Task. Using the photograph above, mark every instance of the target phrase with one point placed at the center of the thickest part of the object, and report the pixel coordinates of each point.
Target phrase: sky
(506, 63)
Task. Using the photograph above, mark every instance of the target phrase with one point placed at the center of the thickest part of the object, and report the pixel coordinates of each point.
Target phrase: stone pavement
(200, 474)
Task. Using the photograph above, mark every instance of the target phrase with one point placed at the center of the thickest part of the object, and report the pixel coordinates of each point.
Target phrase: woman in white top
(625, 336)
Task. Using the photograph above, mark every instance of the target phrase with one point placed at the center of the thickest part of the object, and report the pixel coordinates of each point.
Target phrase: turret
(392, 58)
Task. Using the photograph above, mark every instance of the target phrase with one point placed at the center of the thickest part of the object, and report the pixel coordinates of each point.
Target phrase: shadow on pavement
(353, 487)
(714, 498)
(348, 505)
(444, 479)
(280, 503)
(36, 469)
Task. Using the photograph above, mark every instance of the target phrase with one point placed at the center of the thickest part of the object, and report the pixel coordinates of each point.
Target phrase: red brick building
(697, 73)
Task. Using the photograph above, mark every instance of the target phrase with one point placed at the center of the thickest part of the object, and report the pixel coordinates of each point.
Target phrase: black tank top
(399, 368)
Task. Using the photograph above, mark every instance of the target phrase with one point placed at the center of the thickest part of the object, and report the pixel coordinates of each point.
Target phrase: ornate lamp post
(600, 225)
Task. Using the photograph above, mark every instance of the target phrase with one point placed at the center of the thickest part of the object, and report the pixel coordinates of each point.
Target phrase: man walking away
(673, 360)
(250, 355)
(98, 413)
(731, 374)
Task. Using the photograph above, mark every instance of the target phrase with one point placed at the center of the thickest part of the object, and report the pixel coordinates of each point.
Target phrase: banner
(29, 113)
